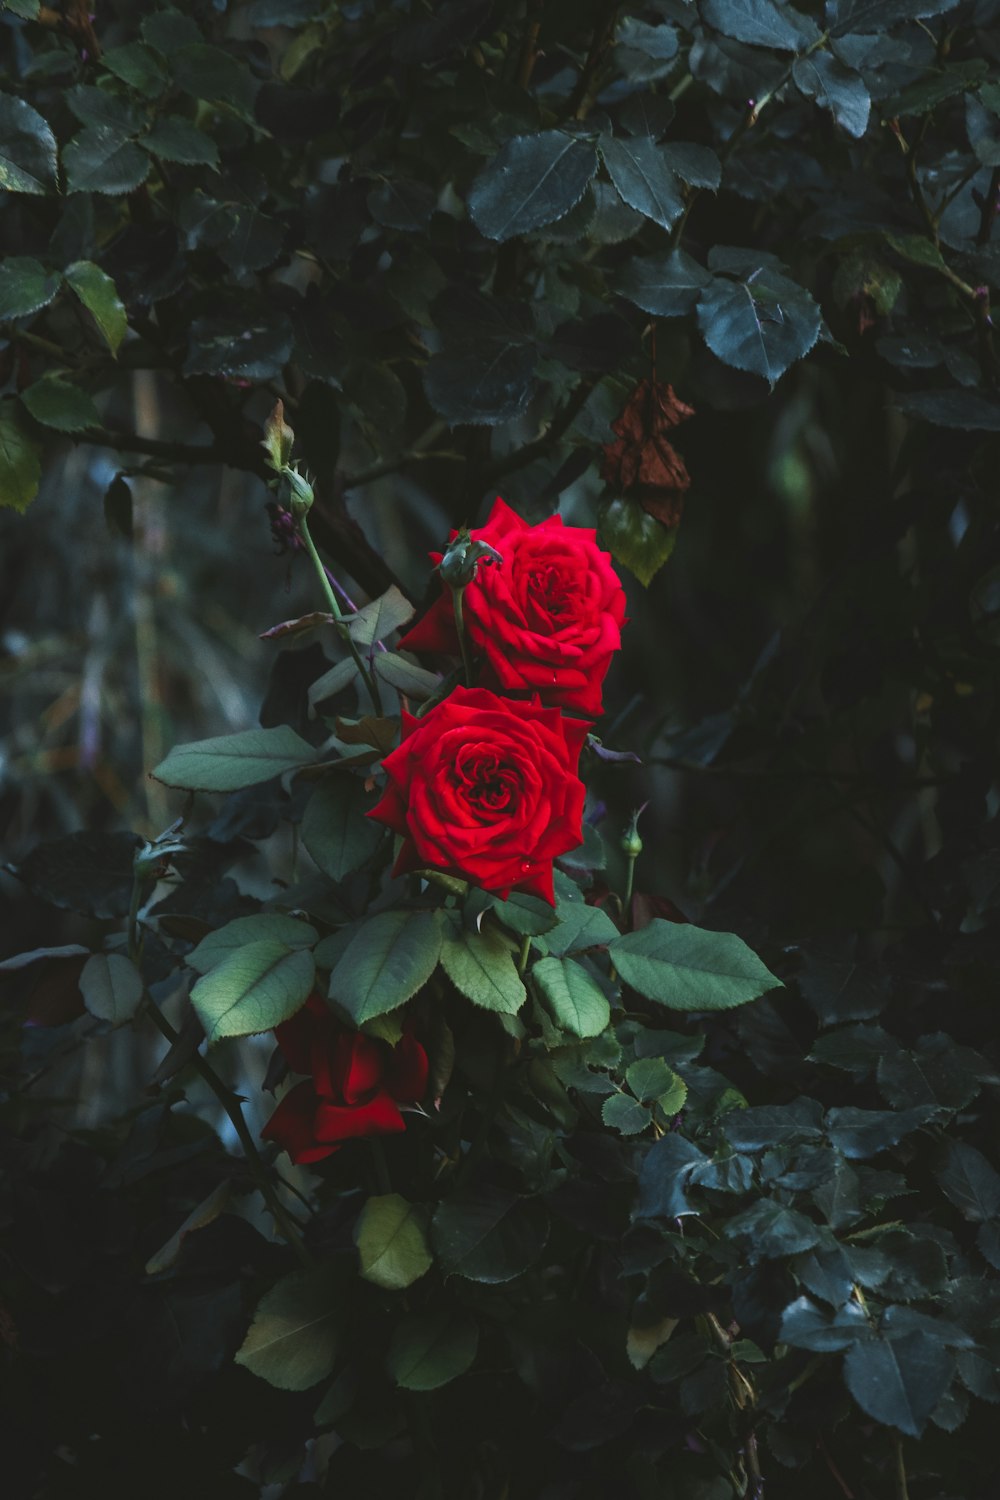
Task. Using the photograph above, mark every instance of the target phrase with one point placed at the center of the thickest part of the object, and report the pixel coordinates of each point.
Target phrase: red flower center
(485, 781)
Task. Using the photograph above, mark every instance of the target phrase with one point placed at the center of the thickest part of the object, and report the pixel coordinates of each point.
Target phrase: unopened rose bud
(631, 844)
(298, 490)
(459, 565)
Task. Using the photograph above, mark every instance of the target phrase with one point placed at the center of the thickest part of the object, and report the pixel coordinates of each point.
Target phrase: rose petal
(343, 1122)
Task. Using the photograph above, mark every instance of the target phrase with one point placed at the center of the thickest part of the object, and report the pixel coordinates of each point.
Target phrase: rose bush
(355, 1088)
(546, 620)
(486, 789)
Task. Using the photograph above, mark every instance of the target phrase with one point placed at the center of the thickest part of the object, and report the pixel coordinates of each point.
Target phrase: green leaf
(488, 1234)
(759, 23)
(926, 93)
(428, 1349)
(635, 539)
(391, 957)
(689, 968)
(970, 411)
(533, 180)
(761, 321)
(899, 1382)
(666, 285)
(20, 460)
(262, 927)
(94, 106)
(836, 88)
(624, 1114)
(769, 1125)
(205, 1213)
(332, 682)
(481, 966)
(577, 1002)
(57, 403)
(879, 15)
(928, 1075)
(111, 986)
(141, 66)
(639, 171)
(392, 1242)
(335, 830)
(27, 149)
(580, 926)
(293, 1340)
(805, 1326)
(254, 989)
(970, 1182)
(207, 72)
(864, 1132)
(774, 1230)
(649, 1078)
(403, 204)
(698, 166)
(528, 916)
(233, 761)
(180, 141)
(89, 873)
(405, 676)
(100, 159)
(25, 287)
(377, 620)
(99, 296)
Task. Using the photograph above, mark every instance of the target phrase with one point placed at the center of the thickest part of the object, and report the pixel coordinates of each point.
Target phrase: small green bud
(631, 844)
(460, 563)
(298, 490)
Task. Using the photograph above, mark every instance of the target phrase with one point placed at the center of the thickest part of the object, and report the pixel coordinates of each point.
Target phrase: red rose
(547, 619)
(357, 1086)
(486, 789)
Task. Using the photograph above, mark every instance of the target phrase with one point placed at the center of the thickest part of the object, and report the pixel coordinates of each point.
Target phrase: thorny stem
(331, 599)
(229, 1101)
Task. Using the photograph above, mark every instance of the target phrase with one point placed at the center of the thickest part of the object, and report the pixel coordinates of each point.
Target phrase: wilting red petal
(342, 1122)
(291, 1126)
(406, 1077)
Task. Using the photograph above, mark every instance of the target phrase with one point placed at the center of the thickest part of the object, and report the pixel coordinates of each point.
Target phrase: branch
(587, 84)
(560, 424)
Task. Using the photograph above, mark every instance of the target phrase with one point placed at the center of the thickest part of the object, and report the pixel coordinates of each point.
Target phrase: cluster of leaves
(467, 219)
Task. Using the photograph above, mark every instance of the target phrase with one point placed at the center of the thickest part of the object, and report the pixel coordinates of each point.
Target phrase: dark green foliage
(611, 1257)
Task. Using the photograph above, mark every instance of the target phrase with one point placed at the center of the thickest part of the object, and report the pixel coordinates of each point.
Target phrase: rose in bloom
(545, 620)
(355, 1087)
(486, 788)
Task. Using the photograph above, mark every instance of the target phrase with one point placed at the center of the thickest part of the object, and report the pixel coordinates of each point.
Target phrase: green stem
(463, 640)
(629, 881)
(525, 953)
(231, 1104)
(381, 1165)
(225, 1095)
(334, 608)
(902, 1490)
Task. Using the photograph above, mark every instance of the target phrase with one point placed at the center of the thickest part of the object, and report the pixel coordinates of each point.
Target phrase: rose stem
(229, 1101)
(456, 595)
(381, 1167)
(335, 610)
